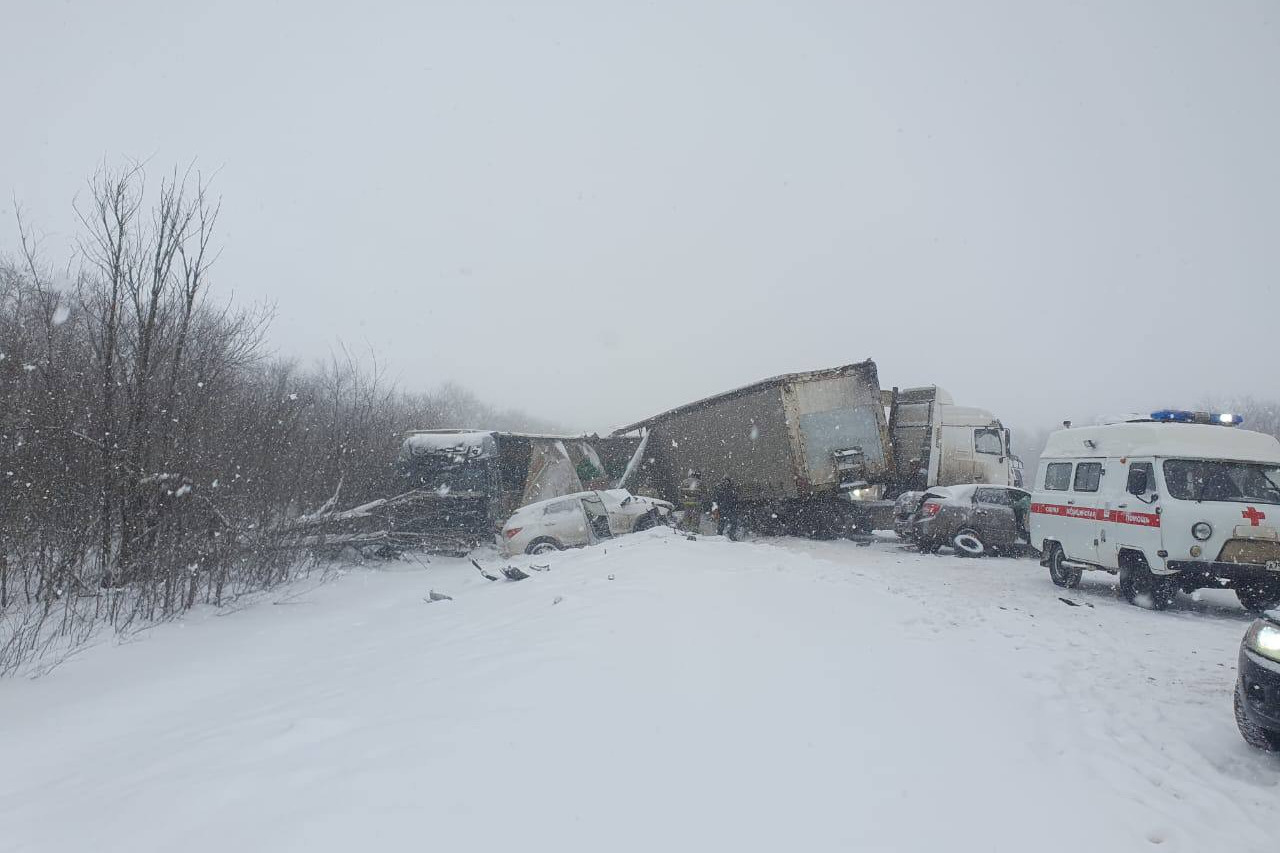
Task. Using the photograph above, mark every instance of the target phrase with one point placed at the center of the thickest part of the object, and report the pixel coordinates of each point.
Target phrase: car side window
(1088, 476)
(993, 496)
(559, 507)
(988, 441)
(1057, 477)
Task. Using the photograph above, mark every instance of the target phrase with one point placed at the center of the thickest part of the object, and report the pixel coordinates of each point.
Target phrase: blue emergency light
(1182, 416)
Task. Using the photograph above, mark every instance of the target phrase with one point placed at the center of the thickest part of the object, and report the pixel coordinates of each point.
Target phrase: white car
(584, 518)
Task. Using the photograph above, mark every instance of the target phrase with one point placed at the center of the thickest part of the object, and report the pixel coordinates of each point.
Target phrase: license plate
(1273, 565)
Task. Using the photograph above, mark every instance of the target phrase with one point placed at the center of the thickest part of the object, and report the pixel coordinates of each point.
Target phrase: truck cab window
(1088, 476)
(1057, 477)
(988, 441)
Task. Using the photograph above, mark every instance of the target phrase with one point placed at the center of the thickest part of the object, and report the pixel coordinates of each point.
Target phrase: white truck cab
(937, 443)
(1180, 500)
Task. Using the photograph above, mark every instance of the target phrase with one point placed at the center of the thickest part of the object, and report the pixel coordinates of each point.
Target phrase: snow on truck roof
(861, 367)
(461, 440)
(1152, 438)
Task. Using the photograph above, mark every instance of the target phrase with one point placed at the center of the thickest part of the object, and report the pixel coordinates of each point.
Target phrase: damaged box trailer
(795, 446)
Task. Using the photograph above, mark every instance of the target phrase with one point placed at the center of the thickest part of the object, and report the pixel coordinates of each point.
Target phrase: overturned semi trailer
(474, 479)
(455, 487)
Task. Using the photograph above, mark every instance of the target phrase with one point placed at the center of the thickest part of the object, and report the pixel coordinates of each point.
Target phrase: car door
(993, 516)
(597, 517)
(566, 522)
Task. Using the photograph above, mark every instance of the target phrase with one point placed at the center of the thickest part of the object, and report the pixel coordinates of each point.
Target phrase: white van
(1182, 500)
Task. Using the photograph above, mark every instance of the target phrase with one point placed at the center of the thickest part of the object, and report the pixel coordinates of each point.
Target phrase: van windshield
(1214, 480)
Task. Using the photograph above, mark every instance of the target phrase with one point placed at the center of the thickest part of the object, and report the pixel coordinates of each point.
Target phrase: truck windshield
(445, 476)
(1212, 480)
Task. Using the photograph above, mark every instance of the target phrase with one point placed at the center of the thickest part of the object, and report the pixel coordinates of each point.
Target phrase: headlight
(1264, 638)
(1202, 530)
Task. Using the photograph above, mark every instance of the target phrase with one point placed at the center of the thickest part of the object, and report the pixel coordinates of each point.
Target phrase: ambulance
(1176, 501)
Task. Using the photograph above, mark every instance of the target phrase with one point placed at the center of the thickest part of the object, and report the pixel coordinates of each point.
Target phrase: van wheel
(1139, 585)
(542, 546)
(1259, 597)
(1061, 574)
(968, 543)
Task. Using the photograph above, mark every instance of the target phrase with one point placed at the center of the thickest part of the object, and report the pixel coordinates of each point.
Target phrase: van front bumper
(1211, 571)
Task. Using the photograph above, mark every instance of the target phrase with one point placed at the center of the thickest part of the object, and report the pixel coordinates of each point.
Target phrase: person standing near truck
(727, 509)
(691, 502)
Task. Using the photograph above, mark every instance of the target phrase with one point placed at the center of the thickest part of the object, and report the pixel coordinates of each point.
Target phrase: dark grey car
(975, 520)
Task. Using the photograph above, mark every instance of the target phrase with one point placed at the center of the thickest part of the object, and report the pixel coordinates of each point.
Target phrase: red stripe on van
(1119, 516)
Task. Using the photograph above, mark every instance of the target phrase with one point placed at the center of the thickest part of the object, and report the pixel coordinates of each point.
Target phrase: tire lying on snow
(968, 543)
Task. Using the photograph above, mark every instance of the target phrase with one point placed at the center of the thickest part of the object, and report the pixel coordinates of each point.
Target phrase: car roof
(619, 494)
(966, 489)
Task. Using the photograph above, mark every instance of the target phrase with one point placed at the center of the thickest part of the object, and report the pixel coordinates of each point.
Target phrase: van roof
(1152, 438)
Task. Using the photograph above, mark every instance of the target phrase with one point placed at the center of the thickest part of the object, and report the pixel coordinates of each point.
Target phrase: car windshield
(1215, 480)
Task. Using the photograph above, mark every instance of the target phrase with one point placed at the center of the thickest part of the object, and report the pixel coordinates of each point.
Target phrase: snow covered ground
(654, 693)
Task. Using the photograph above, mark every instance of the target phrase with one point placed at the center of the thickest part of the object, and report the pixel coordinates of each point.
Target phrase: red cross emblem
(1254, 516)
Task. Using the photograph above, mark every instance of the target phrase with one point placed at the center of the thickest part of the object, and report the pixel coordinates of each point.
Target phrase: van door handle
(1071, 502)
(1122, 506)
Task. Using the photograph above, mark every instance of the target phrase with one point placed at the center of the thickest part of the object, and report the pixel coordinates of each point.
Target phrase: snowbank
(653, 694)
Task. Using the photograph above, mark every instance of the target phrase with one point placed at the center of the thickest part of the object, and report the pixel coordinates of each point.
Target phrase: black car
(974, 519)
(1258, 687)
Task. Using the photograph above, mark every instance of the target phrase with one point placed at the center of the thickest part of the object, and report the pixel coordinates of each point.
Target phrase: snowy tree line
(150, 445)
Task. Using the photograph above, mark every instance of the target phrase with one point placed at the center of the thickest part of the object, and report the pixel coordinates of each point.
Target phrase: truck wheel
(1063, 575)
(968, 543)
(542, 546)
(1259, 596)
(1254, 735)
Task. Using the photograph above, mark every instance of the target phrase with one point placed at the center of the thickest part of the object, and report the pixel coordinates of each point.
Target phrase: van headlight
(1202, 530)
(1264, 638)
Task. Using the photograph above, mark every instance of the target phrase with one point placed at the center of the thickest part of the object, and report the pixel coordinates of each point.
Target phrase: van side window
(1142, 478)
(988, 441)
(1088, 476)
(1057, 477)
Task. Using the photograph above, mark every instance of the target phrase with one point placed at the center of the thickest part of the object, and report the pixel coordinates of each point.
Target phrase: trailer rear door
(912, 427)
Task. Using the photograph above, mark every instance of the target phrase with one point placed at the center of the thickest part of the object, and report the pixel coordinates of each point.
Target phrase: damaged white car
(580, 519)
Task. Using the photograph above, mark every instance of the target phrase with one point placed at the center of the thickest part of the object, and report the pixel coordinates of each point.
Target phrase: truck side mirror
(1138, 481)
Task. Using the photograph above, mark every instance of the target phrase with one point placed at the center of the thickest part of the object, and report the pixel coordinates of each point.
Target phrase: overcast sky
(596, 210)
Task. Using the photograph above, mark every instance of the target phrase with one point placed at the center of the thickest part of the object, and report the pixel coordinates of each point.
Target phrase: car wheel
(1259, 597)
(1254, 735)
(542, 546)
(1061, 574)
